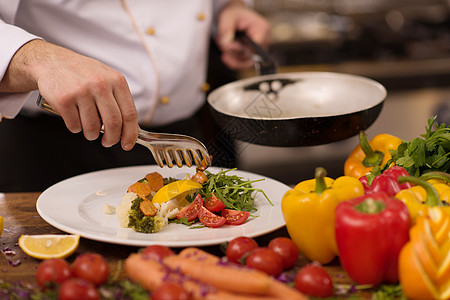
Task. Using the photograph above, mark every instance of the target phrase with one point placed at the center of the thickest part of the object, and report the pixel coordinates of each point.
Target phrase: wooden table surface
(20, 217)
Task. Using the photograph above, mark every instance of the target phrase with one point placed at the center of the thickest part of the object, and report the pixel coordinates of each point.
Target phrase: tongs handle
(264, 63)
(43, 104)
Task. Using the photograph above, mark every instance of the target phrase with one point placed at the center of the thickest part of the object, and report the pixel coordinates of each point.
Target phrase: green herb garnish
(429, 152)
(183, 221)
(232, 190)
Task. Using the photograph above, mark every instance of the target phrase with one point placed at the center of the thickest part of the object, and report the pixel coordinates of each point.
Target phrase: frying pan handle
(264, 63)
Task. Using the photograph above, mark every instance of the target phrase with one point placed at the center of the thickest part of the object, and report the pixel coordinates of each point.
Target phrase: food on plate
(49, 245)
(370, 154)
(177, 190)
(211, 199)
(130, 215)
(207, 278)
(370, 232)
(309, 212)
(424, 269)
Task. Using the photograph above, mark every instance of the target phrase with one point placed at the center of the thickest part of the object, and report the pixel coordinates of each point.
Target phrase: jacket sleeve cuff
(14, 38)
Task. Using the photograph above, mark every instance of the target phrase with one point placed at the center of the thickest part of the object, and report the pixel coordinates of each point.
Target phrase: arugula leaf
(235, 192)
(183, 221)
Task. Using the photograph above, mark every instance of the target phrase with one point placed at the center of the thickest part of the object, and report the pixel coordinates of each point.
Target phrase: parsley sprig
(235, 192)
(429, 152)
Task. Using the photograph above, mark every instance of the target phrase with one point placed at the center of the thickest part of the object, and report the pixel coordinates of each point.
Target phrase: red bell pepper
(386, 182)
(370, 232)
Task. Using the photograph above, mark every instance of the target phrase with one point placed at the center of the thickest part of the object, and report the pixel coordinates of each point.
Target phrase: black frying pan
(297, 109)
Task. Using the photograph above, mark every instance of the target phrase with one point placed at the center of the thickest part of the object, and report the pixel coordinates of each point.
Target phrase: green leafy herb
(429, 152)
(232, 190)
(183, 221)
(389, 292)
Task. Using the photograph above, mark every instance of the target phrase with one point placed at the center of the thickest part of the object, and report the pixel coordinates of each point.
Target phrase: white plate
(75, 206)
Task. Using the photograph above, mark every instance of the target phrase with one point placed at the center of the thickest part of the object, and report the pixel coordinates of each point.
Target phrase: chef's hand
(85, 92)
(235, 16)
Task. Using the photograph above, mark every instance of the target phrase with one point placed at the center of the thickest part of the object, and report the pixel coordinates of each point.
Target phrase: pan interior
(297, 95)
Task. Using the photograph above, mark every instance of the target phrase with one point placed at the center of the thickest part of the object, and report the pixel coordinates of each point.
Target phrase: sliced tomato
(235, 217)
(191, 211)
(214, 204)
(210, 219)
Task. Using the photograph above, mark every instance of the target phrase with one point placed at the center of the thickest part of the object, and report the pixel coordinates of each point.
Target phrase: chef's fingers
(90, 119)
(237, 61)
(69, 112)
(111, 118)
(130, 127)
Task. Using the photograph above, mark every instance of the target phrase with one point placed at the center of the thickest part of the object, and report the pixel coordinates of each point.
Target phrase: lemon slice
(177, 189)
(49, 245)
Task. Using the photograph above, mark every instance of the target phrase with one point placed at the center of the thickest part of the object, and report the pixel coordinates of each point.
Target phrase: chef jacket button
(150, 31)
(164, 100)
(205, 87)
(201, 16)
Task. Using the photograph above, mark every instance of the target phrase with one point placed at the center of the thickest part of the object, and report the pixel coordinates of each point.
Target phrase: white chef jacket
(160, 46)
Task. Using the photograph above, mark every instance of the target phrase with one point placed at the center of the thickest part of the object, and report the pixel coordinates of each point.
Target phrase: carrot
(151, 273)
(155, 180)
(232, 278)
(198, 254)
(142, 189)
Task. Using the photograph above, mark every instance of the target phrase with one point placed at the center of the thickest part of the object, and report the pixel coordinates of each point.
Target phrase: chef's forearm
(19, 74)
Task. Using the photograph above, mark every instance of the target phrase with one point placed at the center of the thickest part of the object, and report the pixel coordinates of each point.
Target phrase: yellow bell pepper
(424, 271)
(370, 154)
(309, 213)
(423, 195)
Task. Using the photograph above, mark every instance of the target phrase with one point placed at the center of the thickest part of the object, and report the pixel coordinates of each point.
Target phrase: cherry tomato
(235, 217)
(210, 219)
(214, 204)
(156, 252)
(76, 289)
(52, 271)
(266, 260)
(286, 249)
(91, 267)
(170, 291)
(238, 247)
(191, 211)
(314, 280)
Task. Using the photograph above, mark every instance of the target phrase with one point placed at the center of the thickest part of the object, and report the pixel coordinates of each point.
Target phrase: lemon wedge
(49, 245)
(1, 225)
(176, 190)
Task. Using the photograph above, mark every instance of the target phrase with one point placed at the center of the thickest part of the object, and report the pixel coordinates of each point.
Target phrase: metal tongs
(264, 63)
(164, 146)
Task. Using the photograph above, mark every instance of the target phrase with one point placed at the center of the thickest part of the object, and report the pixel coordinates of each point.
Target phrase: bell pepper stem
(319, 175)
(436, 175)
(373, 158)
(432, 195)
(370, 206)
